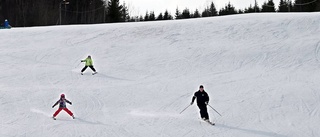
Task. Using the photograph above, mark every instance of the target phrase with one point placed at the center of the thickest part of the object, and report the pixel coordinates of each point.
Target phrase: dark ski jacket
(6, 24)
(201, 97)
(62, 103)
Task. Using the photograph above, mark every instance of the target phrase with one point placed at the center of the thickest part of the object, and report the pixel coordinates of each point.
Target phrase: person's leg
(57, 112)
(204, 112)
(85, 67)
(94, 70)
(68, 111)
(201, 111)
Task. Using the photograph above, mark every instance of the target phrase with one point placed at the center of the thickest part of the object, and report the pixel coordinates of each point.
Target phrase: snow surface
(261, 71)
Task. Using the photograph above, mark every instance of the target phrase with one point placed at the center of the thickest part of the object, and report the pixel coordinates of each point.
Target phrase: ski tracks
(317, 54)
(316, 112)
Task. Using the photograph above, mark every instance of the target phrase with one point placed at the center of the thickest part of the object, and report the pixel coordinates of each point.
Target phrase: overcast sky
(139, 7)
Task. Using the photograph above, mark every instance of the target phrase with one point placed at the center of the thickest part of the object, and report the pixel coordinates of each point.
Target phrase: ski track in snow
(263, 80)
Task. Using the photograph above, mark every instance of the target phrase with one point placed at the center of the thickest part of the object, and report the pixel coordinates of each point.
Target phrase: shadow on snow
(265, 133)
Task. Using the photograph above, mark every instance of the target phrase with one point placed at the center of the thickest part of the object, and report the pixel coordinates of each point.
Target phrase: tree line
(23, 13)
(268, 6)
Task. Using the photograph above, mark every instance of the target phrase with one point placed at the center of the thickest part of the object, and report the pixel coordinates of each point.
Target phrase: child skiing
(62, 106)
(89, 63)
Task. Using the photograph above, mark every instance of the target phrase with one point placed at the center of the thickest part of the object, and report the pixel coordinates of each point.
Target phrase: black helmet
(201, 86)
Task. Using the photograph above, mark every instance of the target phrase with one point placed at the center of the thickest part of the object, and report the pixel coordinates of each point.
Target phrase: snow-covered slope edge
(260, 71)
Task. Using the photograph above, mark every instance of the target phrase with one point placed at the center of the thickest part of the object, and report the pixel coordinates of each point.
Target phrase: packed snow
(261, 72)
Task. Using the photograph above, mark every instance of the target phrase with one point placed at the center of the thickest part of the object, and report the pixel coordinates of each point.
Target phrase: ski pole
(214, 110)
(78, 64)
(185, 108)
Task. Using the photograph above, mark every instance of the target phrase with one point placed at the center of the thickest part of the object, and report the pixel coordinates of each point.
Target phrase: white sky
(139, 7)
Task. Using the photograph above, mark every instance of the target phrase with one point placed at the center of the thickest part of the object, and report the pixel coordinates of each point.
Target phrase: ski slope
(261, 71)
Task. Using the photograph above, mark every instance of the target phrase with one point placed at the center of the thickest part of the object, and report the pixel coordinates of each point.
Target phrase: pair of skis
(209, 122)
(56, 118)
(92, 73)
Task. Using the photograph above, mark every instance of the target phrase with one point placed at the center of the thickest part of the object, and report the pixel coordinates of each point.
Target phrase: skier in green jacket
(89, 63)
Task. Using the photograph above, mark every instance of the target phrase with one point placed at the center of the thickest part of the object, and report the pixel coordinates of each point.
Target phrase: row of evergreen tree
(269, 6)
(53, 12)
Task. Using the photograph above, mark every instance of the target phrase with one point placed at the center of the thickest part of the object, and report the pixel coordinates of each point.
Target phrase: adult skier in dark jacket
(62, 106)
(202, 102)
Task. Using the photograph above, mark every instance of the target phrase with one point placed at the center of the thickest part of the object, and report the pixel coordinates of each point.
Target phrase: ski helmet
(62, 96)
(201, 86)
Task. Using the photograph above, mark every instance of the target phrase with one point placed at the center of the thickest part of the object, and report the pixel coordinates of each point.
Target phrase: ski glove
(206, 102)
(191, 103)
(70, 103)
(52, 106)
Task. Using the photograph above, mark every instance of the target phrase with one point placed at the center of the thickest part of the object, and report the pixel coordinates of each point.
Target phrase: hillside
(261, 72)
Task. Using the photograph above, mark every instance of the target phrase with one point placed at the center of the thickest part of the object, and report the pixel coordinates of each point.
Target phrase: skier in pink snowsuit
(62, 106)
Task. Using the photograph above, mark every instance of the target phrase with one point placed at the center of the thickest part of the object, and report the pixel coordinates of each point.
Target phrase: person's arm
(207, 100)
(55, 104)
(69, 102)
(193, 98)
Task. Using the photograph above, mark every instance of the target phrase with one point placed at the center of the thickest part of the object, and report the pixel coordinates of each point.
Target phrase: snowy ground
(261, 71)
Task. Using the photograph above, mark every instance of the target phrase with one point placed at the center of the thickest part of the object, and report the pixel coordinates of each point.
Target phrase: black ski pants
(203, 111)
(85, 67)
